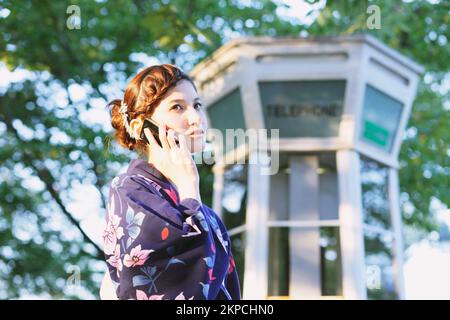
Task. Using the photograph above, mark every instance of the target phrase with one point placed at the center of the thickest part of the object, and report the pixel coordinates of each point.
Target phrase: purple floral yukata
(157, 248)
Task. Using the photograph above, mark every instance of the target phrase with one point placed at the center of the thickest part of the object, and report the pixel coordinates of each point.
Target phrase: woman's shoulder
(127, 182)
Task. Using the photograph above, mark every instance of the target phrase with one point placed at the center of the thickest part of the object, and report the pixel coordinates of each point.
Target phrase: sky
(426, 270)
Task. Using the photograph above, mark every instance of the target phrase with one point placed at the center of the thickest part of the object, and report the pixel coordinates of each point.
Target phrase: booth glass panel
(279, 264)
(380, 119)
(327, 188)
(303, 108)
(234, 195)
(282, 259)
(375, 195)
(228, 113)
(379, 266)
(331, 263)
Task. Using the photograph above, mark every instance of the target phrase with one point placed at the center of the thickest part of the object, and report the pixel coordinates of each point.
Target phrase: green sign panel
(376, 134)
(380, 119)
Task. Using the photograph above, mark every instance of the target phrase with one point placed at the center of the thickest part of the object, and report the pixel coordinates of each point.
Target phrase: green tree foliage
(418, 29)
(47, 147)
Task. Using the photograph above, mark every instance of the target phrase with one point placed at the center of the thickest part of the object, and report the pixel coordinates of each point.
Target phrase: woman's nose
(194, 117)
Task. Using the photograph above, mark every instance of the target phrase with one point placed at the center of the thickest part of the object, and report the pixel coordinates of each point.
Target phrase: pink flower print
(171, 194)
(182, 297)
(109, 240)
(114, 260)
(115, 226)
(231, 265)
(113, 231)
(140, 295)
(114, 220)
(211, 277)
(137, 257)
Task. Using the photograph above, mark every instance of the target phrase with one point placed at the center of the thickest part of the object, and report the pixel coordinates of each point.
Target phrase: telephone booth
(325, 223)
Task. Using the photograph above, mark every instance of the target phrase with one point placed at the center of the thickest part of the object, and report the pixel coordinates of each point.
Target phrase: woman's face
(182, 111)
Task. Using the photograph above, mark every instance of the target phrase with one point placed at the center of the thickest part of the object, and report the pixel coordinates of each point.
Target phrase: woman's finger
(171, 139)
(151, 139)
(183, 143)
(163, 136)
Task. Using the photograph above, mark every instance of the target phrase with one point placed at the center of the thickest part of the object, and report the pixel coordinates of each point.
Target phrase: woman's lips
(196, 135)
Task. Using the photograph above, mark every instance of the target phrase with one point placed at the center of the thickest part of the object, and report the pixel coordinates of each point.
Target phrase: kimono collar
(139, 166)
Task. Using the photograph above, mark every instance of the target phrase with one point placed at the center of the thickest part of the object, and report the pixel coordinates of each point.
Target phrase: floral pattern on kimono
(158, 248)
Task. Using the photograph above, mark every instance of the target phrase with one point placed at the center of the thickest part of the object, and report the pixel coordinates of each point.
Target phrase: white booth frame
(236, 65)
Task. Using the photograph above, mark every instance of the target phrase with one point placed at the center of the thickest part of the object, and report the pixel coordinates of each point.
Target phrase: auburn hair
(142, 96)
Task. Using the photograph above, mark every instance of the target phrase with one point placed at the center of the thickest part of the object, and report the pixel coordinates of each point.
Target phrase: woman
(160, 241)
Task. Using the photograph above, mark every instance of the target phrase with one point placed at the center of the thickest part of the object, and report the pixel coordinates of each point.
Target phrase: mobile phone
(154, 129)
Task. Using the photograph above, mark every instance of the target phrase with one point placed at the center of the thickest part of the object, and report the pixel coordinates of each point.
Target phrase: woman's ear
(136, 125)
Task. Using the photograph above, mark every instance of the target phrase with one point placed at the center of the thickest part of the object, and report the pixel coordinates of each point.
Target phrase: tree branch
(45, 175)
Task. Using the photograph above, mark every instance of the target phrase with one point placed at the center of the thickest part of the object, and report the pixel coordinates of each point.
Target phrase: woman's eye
(176, 107)
(198, 104)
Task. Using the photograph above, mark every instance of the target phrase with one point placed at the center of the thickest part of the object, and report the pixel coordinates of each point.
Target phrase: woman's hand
(174, 162)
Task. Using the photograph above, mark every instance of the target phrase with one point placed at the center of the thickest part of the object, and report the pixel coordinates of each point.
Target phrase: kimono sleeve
(231, 280)
(157, 251)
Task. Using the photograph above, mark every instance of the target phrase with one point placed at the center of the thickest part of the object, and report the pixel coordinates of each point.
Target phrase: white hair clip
(123, 110)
